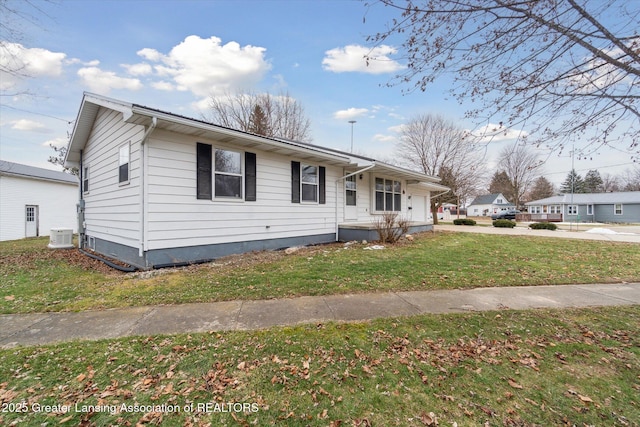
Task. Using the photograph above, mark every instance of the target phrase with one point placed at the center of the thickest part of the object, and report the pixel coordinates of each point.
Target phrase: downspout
(145, 137)
(341, 179)
(80, 207)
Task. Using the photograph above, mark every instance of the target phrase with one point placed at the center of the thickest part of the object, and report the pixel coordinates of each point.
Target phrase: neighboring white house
(34, 200)
(489, 204)
(162, 189)
(623, 207)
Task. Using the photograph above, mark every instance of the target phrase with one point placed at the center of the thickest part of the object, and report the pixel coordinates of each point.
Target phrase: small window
(572, 210)
(617, 209)
(589, 209)
(228, 174)
(309, 182)
(350, 194)
(85, 179)
(123, 164)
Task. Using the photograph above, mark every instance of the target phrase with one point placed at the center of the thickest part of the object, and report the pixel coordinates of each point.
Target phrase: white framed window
(555, 209)
(589, 209)
(534, 209)
(572, 210)
(228, 174)
(124, 164)
(350, 190)
(309, 183)
(617, 209)
(388, 195)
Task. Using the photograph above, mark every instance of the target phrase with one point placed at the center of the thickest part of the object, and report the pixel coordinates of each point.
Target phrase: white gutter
(341, 179)
(145, 137)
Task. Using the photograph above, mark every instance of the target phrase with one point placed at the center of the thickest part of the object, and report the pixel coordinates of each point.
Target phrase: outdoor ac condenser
(61, 238)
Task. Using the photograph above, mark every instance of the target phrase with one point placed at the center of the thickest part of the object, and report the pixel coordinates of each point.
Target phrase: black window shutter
(295, 182)
(204, 189)
(250, 177)
(322, 188)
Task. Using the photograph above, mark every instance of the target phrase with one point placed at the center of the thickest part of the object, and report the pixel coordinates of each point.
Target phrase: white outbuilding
(35, 200)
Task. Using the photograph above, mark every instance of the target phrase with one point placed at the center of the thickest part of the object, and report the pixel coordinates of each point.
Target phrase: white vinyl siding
(56, 205)
(176, 218)
(112, 211)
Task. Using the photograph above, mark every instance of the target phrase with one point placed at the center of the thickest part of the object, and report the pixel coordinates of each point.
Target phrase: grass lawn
(512, 368)
(36, 279)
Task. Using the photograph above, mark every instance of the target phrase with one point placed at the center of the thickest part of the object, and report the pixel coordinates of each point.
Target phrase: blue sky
(172, 55)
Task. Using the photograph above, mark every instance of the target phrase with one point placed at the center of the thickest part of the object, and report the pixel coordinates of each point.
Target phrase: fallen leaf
(429, 419)
(81, 377)
(9, 298)
(585, 399)
(514, 384)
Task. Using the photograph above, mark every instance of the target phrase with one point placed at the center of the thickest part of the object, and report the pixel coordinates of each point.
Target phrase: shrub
(464, 221)
(504, 223)
(543, 226)
(390, 228)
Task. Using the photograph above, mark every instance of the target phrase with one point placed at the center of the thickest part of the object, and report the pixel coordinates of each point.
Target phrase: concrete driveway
(602, 232)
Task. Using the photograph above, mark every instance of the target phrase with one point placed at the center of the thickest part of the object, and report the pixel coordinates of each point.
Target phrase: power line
(588, 169)
(38, 114)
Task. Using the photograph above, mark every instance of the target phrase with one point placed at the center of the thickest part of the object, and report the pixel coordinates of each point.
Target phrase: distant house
(489, 204)
(623, 207)
(34, 200)
(162, 189)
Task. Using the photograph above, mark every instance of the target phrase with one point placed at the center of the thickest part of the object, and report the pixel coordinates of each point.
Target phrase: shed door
(31, 221)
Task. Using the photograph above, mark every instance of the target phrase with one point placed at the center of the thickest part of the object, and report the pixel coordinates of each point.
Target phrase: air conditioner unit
(61, 238)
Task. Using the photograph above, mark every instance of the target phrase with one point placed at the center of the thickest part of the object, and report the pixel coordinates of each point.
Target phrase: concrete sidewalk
(631, 237)
(46, 328)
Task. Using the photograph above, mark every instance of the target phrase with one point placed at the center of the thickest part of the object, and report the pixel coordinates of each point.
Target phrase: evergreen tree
(500, 183)
(258, 122)
(542, 188)
(593, 182)
(573, 183)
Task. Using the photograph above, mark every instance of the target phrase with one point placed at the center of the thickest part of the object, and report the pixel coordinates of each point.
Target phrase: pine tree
(258, 122)
(500, 183)
(573, 183)
(593, 182)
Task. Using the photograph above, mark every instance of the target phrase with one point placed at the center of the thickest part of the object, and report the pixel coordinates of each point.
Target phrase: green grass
(35, 279)
(539, 367)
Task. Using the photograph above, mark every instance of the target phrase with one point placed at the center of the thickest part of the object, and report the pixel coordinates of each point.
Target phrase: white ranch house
(35, 200)
(162, 189)
(488, 204)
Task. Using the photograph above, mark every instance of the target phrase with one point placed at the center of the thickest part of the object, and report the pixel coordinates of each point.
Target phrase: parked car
(508, 214)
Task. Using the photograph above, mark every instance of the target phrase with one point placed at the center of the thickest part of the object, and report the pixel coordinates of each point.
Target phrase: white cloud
(141, 69)
(385, 138)
(350, 113)
(496, 132)
(29, 126)
(27, 62)
(101, 81)
(166, 86)
(206, 66)
(56, 142)
(353, 58)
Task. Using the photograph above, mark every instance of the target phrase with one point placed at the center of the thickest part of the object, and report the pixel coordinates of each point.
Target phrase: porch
(350, 231)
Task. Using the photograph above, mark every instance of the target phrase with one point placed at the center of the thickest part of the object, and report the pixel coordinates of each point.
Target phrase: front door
(350, 199)
(31, 221)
